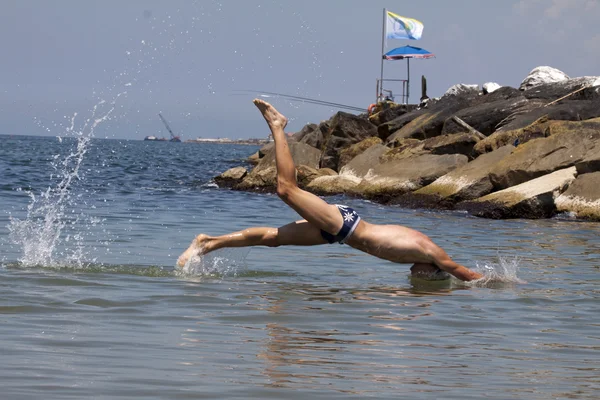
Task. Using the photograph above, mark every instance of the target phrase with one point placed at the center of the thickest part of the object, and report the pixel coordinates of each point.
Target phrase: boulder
(314, 138)
(567, 144)
(390, 113)
(532, 199)
(263, 180)
(263, 151)
(459, 143)
(386, 129)
(537, 129)
(403, 148)
(345, 130)
(468, 182)
(461, 88)
(306, 174)
(487, 116)
(254, 158)
(396, 177)
(264, 175)
(582, 198)
(566, 110)
(428, 123)
(490, 87)
(360, 165)
(556, 90)
(231, 177)
(542, 75)
(350, 152)
(333, 184)
(306, 129)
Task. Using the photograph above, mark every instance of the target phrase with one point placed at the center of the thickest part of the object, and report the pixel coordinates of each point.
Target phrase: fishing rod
(306, 100)
(310, 101)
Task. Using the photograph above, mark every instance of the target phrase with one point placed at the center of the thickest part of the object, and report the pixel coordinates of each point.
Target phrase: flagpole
(408, 78)
(382, 53)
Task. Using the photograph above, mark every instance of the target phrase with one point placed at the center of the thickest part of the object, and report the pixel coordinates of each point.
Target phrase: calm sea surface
(91, 305)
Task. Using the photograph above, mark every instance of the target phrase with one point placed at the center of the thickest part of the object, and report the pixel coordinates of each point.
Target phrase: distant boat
(155, 139)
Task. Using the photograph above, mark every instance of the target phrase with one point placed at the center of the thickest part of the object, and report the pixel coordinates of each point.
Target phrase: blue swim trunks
(351, 220)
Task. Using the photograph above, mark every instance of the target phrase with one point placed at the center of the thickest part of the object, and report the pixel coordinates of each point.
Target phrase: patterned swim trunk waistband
(351, 220)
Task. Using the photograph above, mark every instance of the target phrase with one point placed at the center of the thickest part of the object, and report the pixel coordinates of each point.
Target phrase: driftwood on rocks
(468, 127)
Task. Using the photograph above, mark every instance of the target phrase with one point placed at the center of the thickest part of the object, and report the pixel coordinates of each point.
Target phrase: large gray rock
(556, 90)
(390, 113)
(566, 110)
(313, 134)
(487, 116)
(349, 153)
(266, 149)
(542, 75)
(532, 199)
(404, 148)
(386, 129)
(458, 143)
(490, 87)
(582, 198)
(461, 88)
(428, 123)
(360, 165)
(231, 177)
(264, 175)
(537, 129)
(470, 181)
(306, 174)
(333, 184)
(306, 129)
(396, 177)
(568, 144)
(344, 130)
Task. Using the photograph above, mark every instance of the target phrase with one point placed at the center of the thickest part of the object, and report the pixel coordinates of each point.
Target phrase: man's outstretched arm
(460, 271)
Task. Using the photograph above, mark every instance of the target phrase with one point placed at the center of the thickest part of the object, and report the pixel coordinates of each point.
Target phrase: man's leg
(299, 233)
(312, 208)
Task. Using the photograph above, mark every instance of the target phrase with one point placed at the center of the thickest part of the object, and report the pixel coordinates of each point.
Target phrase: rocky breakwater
(500, 152)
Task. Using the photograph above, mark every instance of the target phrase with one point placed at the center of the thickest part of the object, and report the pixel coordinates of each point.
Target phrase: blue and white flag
(398, 27)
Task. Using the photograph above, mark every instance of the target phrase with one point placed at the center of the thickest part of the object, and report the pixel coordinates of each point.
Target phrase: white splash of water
(54, 211)
(502, 272)
(222, 263)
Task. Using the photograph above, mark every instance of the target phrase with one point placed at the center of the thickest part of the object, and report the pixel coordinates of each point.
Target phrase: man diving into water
(325, 223)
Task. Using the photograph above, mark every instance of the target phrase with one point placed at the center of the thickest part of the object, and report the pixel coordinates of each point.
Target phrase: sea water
(92, 306)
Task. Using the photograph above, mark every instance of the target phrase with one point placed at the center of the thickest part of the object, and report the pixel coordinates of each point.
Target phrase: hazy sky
(189, 59)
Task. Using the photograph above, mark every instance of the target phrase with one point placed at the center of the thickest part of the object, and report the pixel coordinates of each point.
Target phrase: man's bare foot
(273, 117)
(197, 248)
